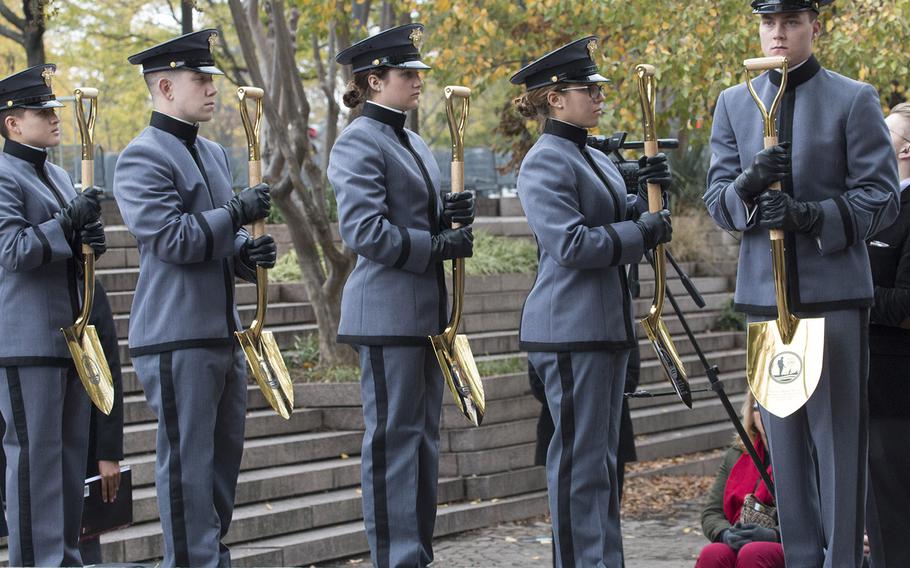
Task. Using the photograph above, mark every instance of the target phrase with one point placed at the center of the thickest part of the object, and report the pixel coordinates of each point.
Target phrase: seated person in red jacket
(733, 543)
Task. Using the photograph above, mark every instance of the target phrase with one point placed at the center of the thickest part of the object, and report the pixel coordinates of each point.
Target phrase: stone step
(728, 362)
(141, 438)
(277, 314)
(136, 409)
(675, 415)
(272, 451)
(270, 484)
(734, 383)
(308, 547)
(684, 441)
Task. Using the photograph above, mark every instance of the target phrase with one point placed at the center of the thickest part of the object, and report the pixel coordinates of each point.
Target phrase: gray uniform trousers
(401, 388)
(819, 453)
(46, 411)
(199, 396)
(584, 392)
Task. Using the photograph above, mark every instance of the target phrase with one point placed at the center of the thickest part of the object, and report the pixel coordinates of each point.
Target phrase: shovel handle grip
(457, 91)
(764, 63)
(655, 195)
(776, 234)
(255, 177)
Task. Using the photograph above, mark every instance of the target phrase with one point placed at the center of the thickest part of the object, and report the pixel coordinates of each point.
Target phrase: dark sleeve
(713, 520)
(108, 429)
(892, 305)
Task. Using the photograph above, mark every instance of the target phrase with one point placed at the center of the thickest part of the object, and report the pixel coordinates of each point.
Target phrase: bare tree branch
(12, 18)
(8, 33)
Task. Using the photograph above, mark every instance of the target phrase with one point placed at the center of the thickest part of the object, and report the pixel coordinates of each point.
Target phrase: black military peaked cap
(776, 6)
(192, 51)
(571, 63)
(31, 88)
(395, 47)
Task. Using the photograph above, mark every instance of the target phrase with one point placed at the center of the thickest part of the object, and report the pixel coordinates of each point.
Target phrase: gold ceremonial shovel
(784, 358)
(259, 345)
(654, 326)
(82, 338)
(452, 350)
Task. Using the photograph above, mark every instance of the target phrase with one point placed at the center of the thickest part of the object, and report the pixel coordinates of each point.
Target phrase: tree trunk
(186, 16)
(292, 165)
(33, 32)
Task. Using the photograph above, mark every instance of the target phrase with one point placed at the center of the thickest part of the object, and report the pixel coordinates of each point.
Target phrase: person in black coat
(888, 498)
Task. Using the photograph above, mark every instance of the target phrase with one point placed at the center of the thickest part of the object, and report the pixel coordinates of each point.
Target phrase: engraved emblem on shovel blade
(783, 376)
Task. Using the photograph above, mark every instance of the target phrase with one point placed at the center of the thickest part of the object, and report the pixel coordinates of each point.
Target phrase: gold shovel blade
(668, 356)
(91, 365)
(782, 376)
(271, 375)
(461, 374)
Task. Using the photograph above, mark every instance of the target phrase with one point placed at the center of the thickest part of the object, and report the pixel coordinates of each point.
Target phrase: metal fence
(481, 168)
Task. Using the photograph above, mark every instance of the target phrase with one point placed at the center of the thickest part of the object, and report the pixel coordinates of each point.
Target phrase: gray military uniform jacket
(576, 203)
(40, 282)
(188, 249)
(388, 209)
(842, 158)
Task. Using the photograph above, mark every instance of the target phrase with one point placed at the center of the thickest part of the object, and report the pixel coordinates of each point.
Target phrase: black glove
(260, 252)
(458, 208)
(777, 210)
(770, 165)
(251, 204)
(93, 236)
(654, 170)
(732, 537)
(655, 228)
(452, 243)
(83, 210)
(756, 533)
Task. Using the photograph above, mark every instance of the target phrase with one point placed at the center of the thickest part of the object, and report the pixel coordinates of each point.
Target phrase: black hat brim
(41, 105)
(208, 70)
(590, 79)
(417, 64)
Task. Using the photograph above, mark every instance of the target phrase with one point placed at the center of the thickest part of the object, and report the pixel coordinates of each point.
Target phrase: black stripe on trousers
(863, 419)
(564, 484)
(377, 448)
(25, 499)
(175, 485)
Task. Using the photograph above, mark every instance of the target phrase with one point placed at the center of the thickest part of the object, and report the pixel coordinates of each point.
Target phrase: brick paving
(670, 542)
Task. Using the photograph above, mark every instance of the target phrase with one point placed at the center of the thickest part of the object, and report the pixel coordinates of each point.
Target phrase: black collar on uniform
(384, 115)
(568, 131)
(799, 76)
(183, 130)
(23, 152)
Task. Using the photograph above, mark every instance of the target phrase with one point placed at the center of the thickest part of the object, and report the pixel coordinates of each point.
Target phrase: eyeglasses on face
(595, 91)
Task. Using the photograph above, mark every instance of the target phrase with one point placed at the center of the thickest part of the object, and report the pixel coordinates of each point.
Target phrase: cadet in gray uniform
(174, 191)
(43, 223)
(577, 320)
(839, 179)
(391, 214)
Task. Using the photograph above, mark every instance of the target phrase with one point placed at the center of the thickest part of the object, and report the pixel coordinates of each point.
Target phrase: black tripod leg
(717, 385)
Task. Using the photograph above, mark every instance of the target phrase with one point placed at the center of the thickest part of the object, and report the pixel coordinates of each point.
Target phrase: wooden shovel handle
(258, 227)
(776, 234)
(764, 63)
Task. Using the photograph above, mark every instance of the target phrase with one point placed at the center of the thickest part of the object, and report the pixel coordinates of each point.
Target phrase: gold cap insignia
(48, 75)
(592, 48)
(213, 40)
(375, 62)
(173, 64)
(416, 36)
(9, 103)
(554, 78)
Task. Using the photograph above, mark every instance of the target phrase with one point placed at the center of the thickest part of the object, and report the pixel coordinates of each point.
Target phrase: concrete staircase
(298, 499)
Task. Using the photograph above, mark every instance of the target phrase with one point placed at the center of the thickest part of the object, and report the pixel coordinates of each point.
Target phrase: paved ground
(669, 542)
